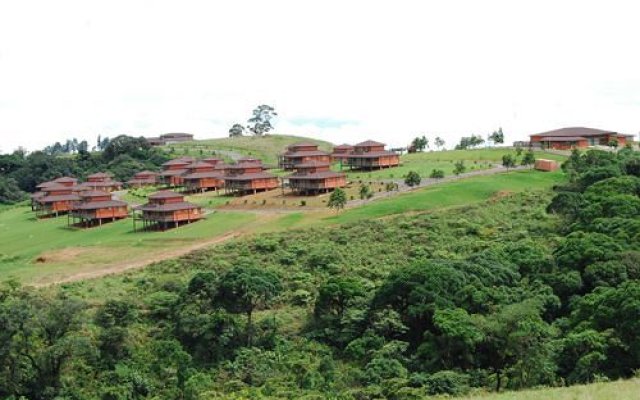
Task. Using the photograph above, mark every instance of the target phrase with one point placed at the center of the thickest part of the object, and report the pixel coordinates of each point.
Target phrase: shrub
(412, 179)
(436, 174)
(447, 382)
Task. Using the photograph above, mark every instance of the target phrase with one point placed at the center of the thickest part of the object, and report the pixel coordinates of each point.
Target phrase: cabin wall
(268, 183)
(112, 212)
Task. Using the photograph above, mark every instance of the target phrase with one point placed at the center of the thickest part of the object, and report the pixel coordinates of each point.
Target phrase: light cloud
(337, 70)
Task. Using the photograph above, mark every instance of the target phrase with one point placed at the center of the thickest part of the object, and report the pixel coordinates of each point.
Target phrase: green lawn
(424, 163)
(619, 390)
(265, 148)
(464, 191)
(67, 250)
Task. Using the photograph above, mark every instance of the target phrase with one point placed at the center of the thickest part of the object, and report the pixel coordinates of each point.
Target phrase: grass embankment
(457, 193)
(619, 390)
(265, 148)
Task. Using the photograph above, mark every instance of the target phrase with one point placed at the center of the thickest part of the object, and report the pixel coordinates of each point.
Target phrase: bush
(412, 179)
(436, 174)
(447, 382)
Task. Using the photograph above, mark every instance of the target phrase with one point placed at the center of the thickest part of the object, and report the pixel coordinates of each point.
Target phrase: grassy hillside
(67, 251)
(266, 147)
(424, 163)
(45, 250)
(464, 191)
(619, 390)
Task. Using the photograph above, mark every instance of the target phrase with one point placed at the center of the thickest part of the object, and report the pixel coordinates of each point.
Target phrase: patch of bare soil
(112, 269)
(60, 256)
(116, 268)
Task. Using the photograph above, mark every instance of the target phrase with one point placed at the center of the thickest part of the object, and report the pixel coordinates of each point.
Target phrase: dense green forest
(123, 156)
(529, 289)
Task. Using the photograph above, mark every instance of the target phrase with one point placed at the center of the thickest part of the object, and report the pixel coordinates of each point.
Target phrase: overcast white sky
(343, 71)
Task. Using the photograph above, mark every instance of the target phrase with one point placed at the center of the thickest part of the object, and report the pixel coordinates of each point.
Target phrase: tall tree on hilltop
(497, 136)
(420, 143)
(260, 123)
(236, 130)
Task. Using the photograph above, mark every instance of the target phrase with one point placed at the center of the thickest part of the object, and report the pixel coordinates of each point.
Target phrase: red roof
(208, 174)
(108, 183)
(168, 207)
(173, 172)
(165, 194)
(343, 147)
(562, 138)
(372, 154)
(65, 179)
(317, 175)
(212, 160)
(369, 143)
(300, 154)
(59, 197)
(577, 132)
(94, 193)
(178, 161)
(101, 204)
(45, 184)
(250, 176)
(199, 164)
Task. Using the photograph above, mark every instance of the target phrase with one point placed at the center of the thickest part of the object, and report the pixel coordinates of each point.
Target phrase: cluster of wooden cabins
(91, 203)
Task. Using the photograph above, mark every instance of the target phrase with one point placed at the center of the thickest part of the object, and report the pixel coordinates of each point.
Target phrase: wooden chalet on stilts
(101, 181)
(372, 155)
(249, 177)
(66, 181)
(143, 178)
(202, 176)
(341, 153)
(166, 209)
(173, 170)
(95, 207)
(301, 153)
(54, 200)
(315, 177)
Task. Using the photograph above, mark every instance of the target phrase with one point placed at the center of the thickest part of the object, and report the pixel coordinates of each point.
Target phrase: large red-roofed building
(577, 137)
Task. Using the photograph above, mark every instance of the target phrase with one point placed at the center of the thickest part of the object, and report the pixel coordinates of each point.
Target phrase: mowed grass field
(618, 390)
(265, 147)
